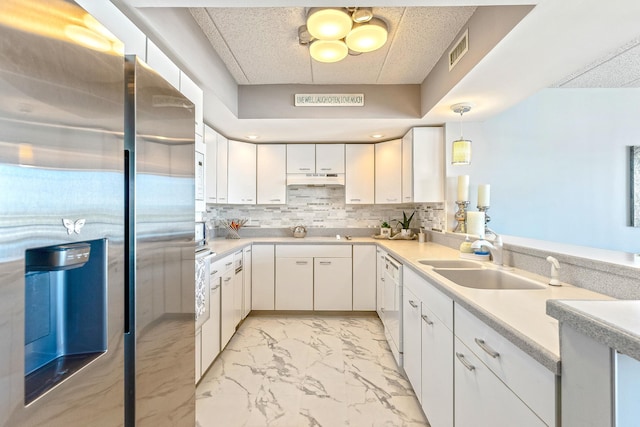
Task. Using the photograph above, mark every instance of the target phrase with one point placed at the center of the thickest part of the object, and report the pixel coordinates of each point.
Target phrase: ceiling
(260, 45)
(559, 44)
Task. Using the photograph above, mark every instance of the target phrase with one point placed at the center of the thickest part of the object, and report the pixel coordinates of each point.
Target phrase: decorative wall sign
(329, 99)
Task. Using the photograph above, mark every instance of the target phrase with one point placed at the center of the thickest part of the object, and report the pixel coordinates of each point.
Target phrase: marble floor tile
(307, 370)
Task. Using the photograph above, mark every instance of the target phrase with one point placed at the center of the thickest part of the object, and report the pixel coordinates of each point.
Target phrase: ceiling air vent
(459, 49)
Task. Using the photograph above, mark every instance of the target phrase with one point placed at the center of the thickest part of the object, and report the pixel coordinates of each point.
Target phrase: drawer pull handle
(214, 272)
(325, 262)
(304, 169)
(427, 320)
(413, 304)
(382, 309)
(227, 279)
(355, 200)
(466, 364)
(491, 352)
(301, 262)
(228, 264)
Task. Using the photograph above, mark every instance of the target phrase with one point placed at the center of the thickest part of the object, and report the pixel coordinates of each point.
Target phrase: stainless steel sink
(488, 279)
(450, 263)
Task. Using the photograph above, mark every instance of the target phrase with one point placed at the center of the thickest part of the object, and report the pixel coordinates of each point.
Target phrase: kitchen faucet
(555, 266)
(495, 248)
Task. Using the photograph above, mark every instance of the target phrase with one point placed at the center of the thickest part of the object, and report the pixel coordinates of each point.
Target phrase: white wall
(558, 166)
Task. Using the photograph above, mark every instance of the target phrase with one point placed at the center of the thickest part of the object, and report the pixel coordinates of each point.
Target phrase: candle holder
(461, 216)
(487, 218)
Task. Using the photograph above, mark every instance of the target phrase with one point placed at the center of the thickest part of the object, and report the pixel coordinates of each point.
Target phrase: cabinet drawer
(440, 304)
(313, 251)
(531, 381)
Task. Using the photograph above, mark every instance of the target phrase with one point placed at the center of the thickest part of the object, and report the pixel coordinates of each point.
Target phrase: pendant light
(461, 148)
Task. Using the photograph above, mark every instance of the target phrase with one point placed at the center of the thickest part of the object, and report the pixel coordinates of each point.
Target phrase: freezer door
(61, 182)
(160, 142)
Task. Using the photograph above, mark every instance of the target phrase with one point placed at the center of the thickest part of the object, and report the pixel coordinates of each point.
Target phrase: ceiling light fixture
(376, 135)
(333, 33)
(461, 148)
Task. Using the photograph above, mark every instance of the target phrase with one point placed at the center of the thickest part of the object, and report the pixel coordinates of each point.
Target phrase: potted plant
(385, 229)
(405, 223)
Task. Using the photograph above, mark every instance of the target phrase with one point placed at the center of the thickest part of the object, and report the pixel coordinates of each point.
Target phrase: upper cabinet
(301, 158)
(359, 173)
(315, 158)
(423, 165)
(211, 163)
(329, 158)
(388, 176)
(195, 95)
(271, 174)
(161, 63)
(222, 166)
(242, 173)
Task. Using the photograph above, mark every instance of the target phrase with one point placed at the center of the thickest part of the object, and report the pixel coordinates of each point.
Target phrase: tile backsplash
(324, 207)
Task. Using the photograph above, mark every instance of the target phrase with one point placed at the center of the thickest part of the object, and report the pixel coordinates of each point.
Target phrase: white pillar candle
(475, 223)
(484, 195)
(463, 188)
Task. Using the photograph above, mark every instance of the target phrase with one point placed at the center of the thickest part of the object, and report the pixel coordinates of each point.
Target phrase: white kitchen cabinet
(222, 167)
(388, 175)
(359, 174)
(329, 158)
(238, 288)
(481, 399)
(241, 173)
(294, 283)
(301, 158)
(364, 277)
(263, 277)
(227, 325)
(423, 165)
(247, 267)
(271, 174)
(211, 165)
(412, 333)
(428, 347)
(380, 264)
(192, 91)
(392, 307)
(211, 328)
(158, 61)
(332, 287)
(198, 361)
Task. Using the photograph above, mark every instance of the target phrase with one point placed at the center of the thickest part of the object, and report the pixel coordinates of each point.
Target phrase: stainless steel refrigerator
(96, 228)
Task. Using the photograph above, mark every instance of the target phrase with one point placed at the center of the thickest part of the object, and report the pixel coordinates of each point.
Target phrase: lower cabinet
(364, 277)
(481, 399)
(227, 311)
(263, 274)
(294, 283)
(211, 328)
(238, 288)
(380, 264)
(332, 284)
(247, 277)
(198, 355)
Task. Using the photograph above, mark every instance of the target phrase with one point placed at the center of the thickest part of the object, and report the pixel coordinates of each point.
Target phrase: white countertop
(519, 315)
(613, 323)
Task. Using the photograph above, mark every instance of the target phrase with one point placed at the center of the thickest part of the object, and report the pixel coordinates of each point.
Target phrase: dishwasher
(392, 307)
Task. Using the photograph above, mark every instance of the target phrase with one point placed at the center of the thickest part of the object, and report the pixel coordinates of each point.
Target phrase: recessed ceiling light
(252, 137)
(376, 135)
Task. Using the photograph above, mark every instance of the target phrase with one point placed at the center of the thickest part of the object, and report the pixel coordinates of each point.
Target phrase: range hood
(315, 179)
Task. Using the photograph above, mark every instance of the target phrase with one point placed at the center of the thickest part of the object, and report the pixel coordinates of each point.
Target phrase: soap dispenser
(465, 247)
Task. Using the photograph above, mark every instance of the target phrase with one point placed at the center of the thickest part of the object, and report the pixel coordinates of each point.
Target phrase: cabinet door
(388, 176)
(294, 284)
(437, 369)
(191, 90)
(301, 158)
(407, 167)
(411, 334)
(329, 158)
(247, 266)
(364, 277)
(198, 360)
(211, 328)
(263, 277)
(332, 285)
(242, 173)
(221, 169)
(238, 287)
(380, 255)
(211, 165)
(481, 399)
(428, 164)
(227, 325)
(272, 177)
(359, 174)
